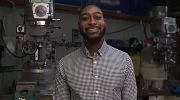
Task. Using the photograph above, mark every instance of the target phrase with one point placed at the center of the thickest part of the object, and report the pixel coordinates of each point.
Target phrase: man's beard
(94, 40)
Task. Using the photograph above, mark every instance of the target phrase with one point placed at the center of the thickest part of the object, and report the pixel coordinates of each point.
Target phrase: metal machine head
(38, 26)
(165, 31)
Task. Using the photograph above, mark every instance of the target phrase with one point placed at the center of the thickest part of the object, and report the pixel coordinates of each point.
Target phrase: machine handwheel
(29, 47)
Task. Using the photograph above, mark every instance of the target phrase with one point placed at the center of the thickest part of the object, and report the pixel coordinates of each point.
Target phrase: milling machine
(159, 60)
(38, 73)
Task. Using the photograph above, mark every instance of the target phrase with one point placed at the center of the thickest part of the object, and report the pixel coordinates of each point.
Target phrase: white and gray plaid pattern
(108, 75)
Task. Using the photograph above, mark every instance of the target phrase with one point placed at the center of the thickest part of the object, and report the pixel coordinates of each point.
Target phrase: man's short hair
(88, 4)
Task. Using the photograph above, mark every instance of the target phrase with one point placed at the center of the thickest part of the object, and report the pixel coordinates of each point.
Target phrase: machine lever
(56, 19)
(57, 27)
(173, 61)
(19, 37)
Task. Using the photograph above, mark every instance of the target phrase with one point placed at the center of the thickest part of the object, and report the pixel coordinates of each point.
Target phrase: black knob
(57, 27)
(17, 37)
(20, 29)
(63, 40)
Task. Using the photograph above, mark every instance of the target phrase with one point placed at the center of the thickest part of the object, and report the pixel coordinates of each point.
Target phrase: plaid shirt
(108, 75)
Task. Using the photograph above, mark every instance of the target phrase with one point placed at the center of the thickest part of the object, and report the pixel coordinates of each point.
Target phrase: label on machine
(40, 1)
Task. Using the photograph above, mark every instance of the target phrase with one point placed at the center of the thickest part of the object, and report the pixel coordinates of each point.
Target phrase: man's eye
(98, 17)
(85, 18)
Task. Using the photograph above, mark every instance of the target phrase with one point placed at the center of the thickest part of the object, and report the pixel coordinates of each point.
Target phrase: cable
(4, 17)
(145, 33)
(3, 28)
(122, 29)
(142, 32)
(144, 25)
(57, 37)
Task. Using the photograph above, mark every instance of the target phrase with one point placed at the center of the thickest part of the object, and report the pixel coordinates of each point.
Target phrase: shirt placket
(95, 78)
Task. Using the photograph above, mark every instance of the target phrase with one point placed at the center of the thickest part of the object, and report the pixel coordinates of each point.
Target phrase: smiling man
(92, 26)
(96, 71)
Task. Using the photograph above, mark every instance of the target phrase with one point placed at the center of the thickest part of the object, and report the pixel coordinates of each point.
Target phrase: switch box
(20, 29)
(76, 36)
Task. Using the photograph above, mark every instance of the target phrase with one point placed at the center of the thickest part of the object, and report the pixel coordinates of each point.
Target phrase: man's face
(91, 24)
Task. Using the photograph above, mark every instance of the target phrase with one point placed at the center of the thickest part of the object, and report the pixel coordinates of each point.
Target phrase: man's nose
(92, 21)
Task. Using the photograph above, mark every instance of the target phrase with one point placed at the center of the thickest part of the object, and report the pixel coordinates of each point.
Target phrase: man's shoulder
(119, 54)
(72, 55)
(116, 51)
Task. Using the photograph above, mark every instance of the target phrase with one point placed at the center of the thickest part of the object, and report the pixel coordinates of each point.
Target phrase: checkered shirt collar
(103, 49)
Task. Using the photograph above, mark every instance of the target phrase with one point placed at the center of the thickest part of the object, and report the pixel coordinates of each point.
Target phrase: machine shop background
(69, 20)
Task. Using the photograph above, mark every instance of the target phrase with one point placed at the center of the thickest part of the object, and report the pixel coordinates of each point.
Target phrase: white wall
(69, 21)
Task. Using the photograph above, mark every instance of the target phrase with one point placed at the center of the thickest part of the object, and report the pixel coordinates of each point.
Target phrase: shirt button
(95, 62)
(97, 91)
(96, 76)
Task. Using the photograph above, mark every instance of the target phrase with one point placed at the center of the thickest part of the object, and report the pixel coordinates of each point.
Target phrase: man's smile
(92, 30)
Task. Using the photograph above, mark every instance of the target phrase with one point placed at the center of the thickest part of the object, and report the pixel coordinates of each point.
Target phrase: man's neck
(93, 48)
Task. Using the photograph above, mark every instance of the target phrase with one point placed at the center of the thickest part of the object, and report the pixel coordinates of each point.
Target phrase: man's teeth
(92, 29)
